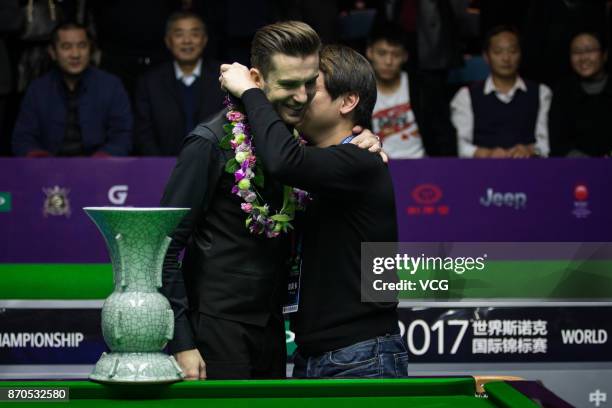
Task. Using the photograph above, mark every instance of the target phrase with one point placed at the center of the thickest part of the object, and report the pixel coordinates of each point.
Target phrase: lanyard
(347, 139)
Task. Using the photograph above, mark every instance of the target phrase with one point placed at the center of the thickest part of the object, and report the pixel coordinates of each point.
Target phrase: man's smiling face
(186, 40)
(290, 85)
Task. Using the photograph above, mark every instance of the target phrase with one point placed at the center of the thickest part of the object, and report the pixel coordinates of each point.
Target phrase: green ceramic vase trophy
(137, 321)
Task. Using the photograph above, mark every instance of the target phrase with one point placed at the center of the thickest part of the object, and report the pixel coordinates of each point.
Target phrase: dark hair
(345, 70)
(183, 15)
(389, 33)
(292, 38)
(70, 25)
(486, 42)
(595, 34)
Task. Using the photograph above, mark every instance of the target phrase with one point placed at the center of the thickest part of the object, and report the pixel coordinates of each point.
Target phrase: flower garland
(248, 176)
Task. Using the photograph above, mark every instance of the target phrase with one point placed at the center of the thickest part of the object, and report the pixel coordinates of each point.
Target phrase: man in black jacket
(175, 96)
(337, 334)
(228, 292)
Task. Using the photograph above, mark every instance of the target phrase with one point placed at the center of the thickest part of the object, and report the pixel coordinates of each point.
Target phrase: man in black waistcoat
(503, 116)
(228, 292)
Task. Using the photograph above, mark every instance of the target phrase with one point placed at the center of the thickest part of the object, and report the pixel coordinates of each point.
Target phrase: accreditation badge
(296, 237)
(293, 287)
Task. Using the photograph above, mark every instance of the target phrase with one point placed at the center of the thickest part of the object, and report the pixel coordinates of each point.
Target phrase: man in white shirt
(504, 116)
(174, 97)
(394, 119)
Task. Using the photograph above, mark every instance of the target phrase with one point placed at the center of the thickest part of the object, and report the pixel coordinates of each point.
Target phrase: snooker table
(354, 393)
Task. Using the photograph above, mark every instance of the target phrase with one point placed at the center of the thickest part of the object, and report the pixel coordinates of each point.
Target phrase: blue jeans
(381, 357)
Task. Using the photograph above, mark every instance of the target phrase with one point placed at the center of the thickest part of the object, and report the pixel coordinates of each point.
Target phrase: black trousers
(234, 350)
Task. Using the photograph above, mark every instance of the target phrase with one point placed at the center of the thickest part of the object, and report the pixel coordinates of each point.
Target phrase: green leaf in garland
(263, 209)
(231, 166)
(228, 128)
(225, 142)
(290, 208)
(281, 218)
(259, 177)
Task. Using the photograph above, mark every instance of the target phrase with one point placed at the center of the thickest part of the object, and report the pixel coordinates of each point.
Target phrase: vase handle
(119, 242)
(114, 368)
(159, 261)
(116, 328)
(170, 326)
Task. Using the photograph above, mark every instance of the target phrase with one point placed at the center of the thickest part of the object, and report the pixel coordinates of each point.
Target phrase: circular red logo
(581, 193)
(427, 194)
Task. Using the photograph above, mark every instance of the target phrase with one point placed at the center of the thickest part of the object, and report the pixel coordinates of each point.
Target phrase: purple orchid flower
(239, 175)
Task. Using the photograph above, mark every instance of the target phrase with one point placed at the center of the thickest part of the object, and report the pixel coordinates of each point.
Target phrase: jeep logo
(514, 200)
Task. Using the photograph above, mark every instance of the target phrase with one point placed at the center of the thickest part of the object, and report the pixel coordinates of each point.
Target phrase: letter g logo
(118, 194)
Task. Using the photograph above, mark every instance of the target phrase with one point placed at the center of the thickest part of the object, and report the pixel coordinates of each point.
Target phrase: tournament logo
(117, 195)
(581, 204)
(5, 201)
(56, 202)
(427, 197)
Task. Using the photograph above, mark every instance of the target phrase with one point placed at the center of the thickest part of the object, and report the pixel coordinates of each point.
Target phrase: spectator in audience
(547, 29)
(175, 96)
(75, 109)
(433, 36)
(580, 121)
(394, 117)
(503, 116)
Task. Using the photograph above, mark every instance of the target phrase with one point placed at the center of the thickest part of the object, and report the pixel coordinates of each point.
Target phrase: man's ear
(257, 77)
(349, 103)
(51, 51)
(369, 53)
(205, 41)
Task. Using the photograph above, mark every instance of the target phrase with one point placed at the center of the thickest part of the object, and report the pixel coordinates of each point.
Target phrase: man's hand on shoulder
(192, 364)
(366, 139)
(236, 79)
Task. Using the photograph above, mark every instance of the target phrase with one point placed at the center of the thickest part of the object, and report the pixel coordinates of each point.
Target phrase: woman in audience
(581, 111)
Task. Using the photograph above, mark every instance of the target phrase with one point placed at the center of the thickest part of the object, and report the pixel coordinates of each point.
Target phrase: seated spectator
(75, 109)
(503, 116)
(175, 96)
(580, 121)
(394, 119)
